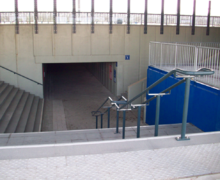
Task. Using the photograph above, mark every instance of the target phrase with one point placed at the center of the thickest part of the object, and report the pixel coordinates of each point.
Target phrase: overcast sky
(137, 6)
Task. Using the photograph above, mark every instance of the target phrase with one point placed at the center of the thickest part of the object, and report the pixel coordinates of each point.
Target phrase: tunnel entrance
(72, 91)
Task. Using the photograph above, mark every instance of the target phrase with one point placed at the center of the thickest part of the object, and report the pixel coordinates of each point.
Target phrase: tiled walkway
(166, 163)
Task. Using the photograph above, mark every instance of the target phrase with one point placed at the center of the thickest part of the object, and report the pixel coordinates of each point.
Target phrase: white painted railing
(206, 44)
(168, 56)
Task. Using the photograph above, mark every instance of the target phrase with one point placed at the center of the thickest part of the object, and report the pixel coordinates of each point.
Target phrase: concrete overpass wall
(25, 52)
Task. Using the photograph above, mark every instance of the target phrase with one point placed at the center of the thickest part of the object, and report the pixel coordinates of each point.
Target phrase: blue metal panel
(204, 103)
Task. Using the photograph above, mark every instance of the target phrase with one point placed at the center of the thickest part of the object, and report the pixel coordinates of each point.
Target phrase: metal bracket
(124, 98)
(208, 19)
(16, 17)
(128, 18)
(115, 105)
(138, 105)
(160, 94)
(145, 17)
(110, 18)
(182, 139)
(178, 18)
(162, 17)
(74, 16)
(110, 98)
(36, 16)
(92, 16)
(194, 17)
(55, 16)
(124, 109)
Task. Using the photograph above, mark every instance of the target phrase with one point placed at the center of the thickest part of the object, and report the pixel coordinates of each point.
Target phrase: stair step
(1, 83)
(10, 111)
(17, 114)
(32, 115)
(37, 125)
(25, 114)
(5, 93)
(2, 87)
(9, 98)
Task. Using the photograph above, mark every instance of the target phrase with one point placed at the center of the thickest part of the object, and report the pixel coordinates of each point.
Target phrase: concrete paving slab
(132, 159)
(59, 120)
(56, 137)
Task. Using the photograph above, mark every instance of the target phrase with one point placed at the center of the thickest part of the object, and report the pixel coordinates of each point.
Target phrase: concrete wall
(17, 54)
(136, 88)
(25, 52)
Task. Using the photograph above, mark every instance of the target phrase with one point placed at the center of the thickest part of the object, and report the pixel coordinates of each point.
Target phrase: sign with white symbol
(127, 57)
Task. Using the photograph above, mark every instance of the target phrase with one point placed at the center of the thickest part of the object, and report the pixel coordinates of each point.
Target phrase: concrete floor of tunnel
(71, 93)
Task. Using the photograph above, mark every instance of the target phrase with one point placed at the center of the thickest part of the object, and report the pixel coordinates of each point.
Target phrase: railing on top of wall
(168, 56)
(206, 44)
(103, 18)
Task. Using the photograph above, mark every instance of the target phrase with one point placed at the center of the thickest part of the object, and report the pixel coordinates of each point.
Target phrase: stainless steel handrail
(21, 75)
(112, 104)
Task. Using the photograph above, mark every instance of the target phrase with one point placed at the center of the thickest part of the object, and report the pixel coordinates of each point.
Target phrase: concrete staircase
(20, 111)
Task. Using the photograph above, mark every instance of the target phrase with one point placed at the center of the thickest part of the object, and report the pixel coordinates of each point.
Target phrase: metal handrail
(112, 104)
(186, 78)
(94, 112)
(166, 90)
(21, 75)
(199, 72)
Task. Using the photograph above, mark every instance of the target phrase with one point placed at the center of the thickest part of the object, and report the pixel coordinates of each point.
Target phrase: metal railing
(98, 113)
(168, 56)
(21, 75)
(103, 18)
(120, 105)
(206, 44)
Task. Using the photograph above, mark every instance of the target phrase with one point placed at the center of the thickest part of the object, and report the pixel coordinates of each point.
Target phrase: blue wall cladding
(204, 103)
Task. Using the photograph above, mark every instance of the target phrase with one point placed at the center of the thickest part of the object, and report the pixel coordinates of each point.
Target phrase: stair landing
(74, 136)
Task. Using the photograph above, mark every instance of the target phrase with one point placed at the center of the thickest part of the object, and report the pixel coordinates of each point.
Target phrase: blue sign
(127, 57)
(116, 64)
(114, 75)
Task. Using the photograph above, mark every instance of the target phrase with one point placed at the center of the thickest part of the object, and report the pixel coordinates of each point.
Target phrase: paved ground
(159, 164)
(80, 93)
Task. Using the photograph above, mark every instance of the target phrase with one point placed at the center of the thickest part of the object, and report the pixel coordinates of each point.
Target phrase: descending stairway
(20, 111)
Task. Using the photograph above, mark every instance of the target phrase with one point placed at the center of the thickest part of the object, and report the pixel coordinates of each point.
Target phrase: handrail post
(175, 54)
(123, 134)
(161, 55)
(185, 112)
(101, 121)
(108, 117)
(117, 122)
(157, 116)
(96, 122)
(195, 58)
(138, 121)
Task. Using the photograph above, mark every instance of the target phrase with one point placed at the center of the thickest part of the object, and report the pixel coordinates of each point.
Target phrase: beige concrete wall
(25, 52)
(17, 54)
